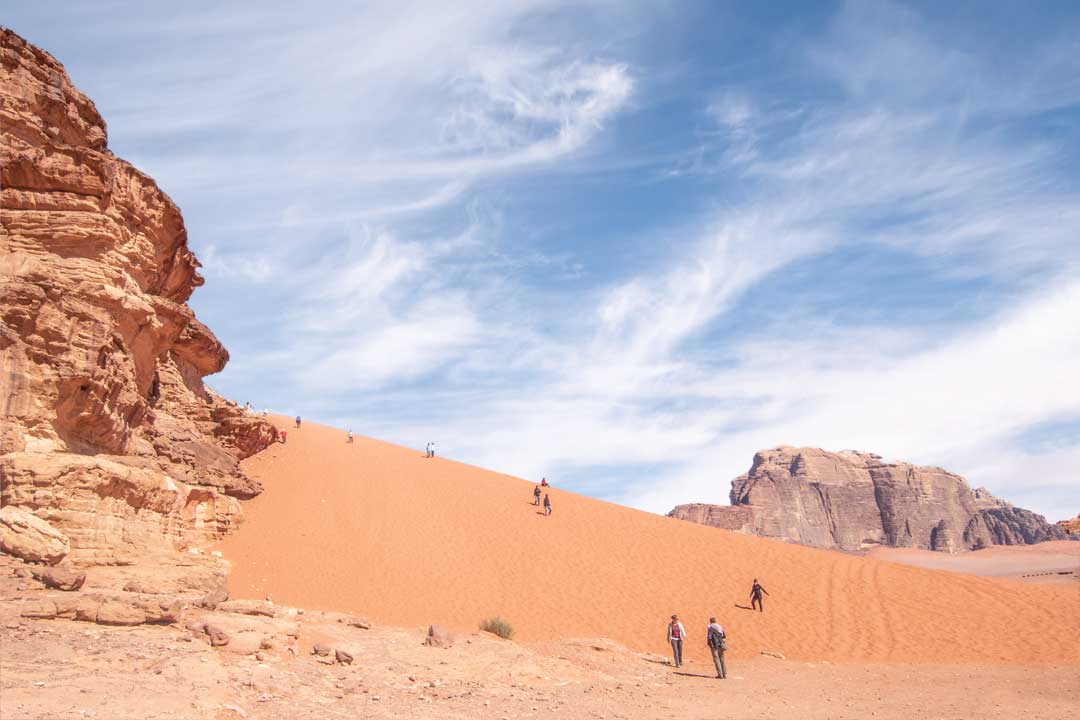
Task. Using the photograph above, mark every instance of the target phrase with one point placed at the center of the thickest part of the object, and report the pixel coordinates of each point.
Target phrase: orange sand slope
(380, 530)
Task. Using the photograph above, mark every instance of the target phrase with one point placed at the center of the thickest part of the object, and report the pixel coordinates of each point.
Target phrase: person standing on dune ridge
(297, 422)
(755, 596)
(676, 634)
(348, 435)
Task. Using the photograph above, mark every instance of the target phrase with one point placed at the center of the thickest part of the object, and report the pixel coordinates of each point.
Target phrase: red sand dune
(382, 531)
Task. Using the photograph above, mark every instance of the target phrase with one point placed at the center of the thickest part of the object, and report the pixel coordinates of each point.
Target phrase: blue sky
(626, 246)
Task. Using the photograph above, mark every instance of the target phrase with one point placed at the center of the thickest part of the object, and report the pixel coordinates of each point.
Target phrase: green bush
(498, 626)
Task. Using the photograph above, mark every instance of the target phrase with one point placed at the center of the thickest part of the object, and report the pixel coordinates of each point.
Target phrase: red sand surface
(381, 530)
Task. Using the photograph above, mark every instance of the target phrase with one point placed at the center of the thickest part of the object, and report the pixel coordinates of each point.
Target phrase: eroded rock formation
(109, 435)
(1070, 527)
(850, 500)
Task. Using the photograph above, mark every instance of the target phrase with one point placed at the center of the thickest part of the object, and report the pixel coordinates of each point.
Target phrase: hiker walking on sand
(547, 504)
(430, 450)
(717, 640)
(536, 496)
(676, 634)
(755, 596)
(297, 422)
(348, 435)
(282, 437)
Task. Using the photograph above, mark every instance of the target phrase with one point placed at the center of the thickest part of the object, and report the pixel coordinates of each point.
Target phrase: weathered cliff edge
(111, 446)
(850, 500)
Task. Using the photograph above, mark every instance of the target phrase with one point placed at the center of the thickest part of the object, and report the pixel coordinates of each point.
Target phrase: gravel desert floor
(59, 669)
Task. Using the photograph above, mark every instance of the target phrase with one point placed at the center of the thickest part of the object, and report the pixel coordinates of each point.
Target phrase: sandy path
(381, 530)
(1049, 562)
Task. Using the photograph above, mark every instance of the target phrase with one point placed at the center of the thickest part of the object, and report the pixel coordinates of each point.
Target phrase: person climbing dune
(755, 596)
(547, 504)
(536, 495)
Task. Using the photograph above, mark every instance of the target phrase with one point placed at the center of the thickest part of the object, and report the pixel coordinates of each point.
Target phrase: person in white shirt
(676, 635)
(717, 645)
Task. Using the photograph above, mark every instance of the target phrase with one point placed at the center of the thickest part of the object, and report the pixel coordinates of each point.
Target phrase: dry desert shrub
(498, 626)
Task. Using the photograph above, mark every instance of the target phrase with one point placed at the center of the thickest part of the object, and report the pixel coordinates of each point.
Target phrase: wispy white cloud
(352, 166)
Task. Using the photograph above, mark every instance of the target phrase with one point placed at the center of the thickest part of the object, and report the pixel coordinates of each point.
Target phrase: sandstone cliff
(1070, 527)
(108, 433)
(849, 500)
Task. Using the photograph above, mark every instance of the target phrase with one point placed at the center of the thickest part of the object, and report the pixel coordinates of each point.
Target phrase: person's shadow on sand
(744, 607)
(698, 675)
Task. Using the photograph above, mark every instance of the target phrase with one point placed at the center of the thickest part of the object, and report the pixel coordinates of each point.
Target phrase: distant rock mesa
(852, 500)
(108, 435)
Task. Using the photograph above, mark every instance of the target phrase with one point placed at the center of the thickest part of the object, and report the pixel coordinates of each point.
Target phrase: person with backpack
(676, 634)
(717, 640)
(547, 504)
(755, 596)
(536, 496)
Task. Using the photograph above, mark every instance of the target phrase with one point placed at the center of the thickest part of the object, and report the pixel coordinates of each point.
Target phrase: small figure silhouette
(755, 596)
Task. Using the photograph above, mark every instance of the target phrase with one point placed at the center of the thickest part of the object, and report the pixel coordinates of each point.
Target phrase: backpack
(716, 639)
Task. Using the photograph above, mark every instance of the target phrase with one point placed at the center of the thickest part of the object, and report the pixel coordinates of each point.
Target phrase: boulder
(112, 612)
(247, 607)
(216, 634)
(438, 636)
(25, 535)
(60, 578)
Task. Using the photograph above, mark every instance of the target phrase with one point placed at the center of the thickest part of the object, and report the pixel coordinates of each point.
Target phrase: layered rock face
(108, 433)
(1070, 527)
(849, 500)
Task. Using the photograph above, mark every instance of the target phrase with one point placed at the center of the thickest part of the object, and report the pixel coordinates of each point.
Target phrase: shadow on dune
(697, 675)
(744, 607)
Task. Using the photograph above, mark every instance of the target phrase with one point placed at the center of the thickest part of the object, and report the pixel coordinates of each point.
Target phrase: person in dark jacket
(547, 504)
(755, 596)
(717, 640)
(536, 496)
